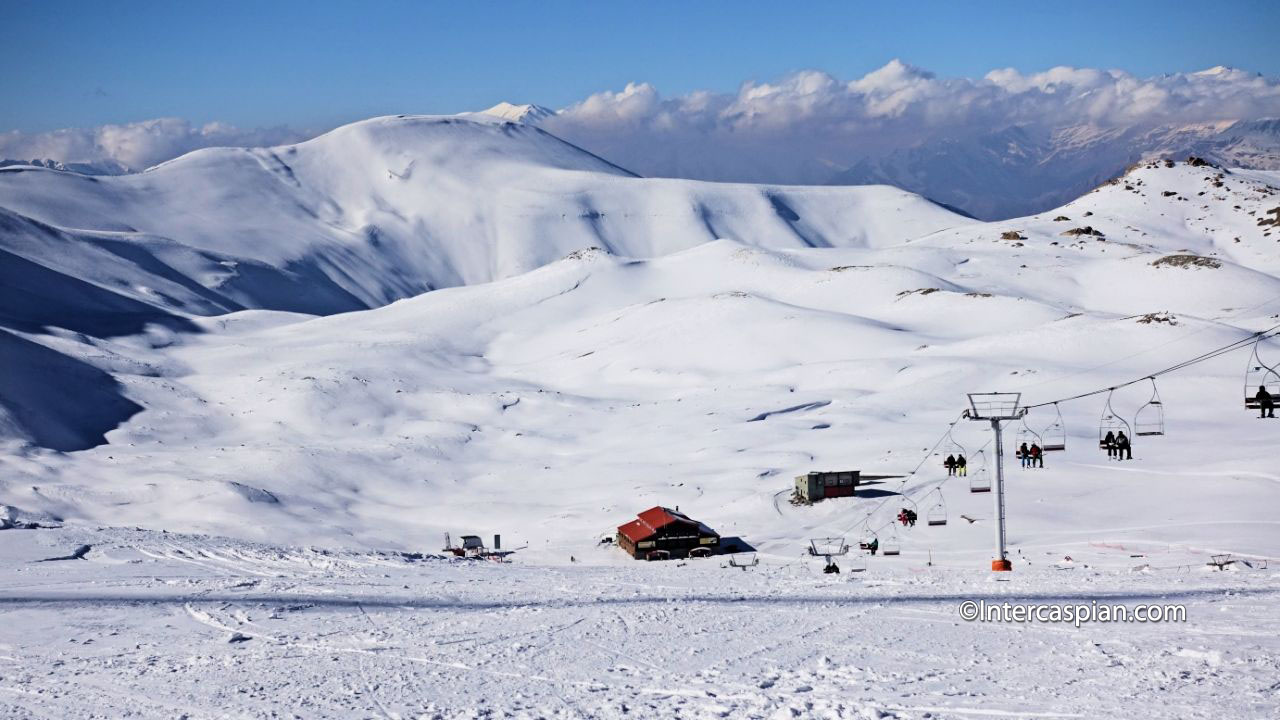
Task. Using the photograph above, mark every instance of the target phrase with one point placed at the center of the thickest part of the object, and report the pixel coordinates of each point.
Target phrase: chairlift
(1258, 375)
(856, 563)
(951, 448)
(826, 547)
(1111, 423)
(909, 507)
(1149, 419)
(891, 546)
(1055, 436)
(744, 560)
(938, 512)
(980, 479)
(1026, 436)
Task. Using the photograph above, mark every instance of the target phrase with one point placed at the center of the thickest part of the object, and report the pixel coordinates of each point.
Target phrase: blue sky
(316, 64)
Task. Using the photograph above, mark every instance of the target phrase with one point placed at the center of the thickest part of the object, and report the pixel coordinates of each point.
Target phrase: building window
(645, 544)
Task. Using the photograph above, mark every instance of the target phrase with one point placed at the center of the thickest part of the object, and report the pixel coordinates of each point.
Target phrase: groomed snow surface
(154, 625)
(243, 401)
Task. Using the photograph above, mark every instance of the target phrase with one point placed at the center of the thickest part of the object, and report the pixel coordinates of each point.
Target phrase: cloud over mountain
(137, 145)
(1005, 144)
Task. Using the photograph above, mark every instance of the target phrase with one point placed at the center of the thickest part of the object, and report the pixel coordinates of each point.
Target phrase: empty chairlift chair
(1257, 375)
(938, 511)
(980, 477)
(891, 546)
(1055, 436)
(1149, 419)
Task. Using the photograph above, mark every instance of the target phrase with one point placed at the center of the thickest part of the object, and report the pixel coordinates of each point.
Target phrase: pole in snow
(996, 408)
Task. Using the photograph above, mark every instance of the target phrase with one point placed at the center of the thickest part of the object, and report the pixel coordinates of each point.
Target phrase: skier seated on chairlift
(1266, 403)
(907, 516)
(831, 568)
(950, 465)
(1037, 455)
(1124, 449)
(874, 545)
(1109, 442)
(1024, 454)
(962, 466)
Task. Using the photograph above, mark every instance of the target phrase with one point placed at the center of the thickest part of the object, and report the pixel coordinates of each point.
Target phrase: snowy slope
(600, 383)
(392, 207)
(287, 456)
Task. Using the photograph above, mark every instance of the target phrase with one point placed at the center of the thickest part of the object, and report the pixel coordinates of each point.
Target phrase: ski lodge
(815, 486)
(662, 533)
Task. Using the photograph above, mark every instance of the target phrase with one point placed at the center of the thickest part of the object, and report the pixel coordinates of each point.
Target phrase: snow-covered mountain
(606, 363)
(389, 208)
(1019, 170)
(240, 392)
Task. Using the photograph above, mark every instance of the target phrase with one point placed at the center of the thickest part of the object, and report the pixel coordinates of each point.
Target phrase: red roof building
(662, 533)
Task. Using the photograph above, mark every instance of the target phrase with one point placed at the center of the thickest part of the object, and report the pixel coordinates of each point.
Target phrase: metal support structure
(997, 408)
(1002, 557)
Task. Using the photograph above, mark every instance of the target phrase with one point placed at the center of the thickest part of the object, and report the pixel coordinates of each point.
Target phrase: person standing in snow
(1109, 442)
(1266, 404)
(950, 465)
(962, 466)
(1123, 447)
(1037, 455)
(1024, 454)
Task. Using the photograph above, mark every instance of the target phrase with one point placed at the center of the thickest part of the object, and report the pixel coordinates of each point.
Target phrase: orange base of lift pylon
(1001, 566)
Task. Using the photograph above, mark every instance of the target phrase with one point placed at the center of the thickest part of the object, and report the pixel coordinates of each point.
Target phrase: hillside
(606, 366)
(392, 207)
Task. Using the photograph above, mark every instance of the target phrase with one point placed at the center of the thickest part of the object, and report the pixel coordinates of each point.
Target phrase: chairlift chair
(826, 547)
(1259, 374)
(949, 447)
(1111, 422)
(909, 504)
(1055, 436)
(938, 513)
(980, 479)
(1149, 419)
(1026, 435)
(891, 546)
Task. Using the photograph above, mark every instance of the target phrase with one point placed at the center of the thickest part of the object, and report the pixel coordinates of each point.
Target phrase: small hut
(662, 533)
(815, 486)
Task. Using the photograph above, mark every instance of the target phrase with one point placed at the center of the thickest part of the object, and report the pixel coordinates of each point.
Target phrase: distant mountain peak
(528, 114)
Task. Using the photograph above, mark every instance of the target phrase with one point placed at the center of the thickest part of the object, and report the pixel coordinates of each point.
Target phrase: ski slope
(255, 468)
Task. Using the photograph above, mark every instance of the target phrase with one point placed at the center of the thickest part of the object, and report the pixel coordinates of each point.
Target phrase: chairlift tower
(997, 408)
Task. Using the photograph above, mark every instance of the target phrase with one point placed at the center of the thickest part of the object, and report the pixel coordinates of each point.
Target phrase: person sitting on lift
(962, 467)
(950, 465)
(874, 545)
(1123, 447)
(1025, 455)
(1109, 442)
(907, 516)
(1266, 403)
(1037, 455)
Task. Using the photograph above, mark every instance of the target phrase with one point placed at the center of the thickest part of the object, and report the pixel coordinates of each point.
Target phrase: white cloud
(898, 124)
(136, 145)
(803, 124)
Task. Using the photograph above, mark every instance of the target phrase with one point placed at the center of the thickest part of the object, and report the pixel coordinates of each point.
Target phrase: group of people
(956, 465)
(907, 517)
(1032, 456)
(1117, 446)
